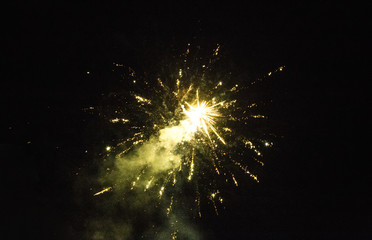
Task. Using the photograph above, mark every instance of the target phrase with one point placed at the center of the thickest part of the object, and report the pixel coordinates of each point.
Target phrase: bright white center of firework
(201, 117)
(198, 116)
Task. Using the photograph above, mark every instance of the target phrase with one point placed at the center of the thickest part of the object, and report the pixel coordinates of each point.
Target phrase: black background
(314, 185)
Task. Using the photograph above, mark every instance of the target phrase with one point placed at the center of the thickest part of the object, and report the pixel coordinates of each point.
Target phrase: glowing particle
(108, 148)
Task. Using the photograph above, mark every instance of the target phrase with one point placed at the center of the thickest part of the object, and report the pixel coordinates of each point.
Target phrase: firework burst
(188, 128)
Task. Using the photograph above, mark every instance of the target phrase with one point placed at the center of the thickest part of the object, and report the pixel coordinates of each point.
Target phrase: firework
(187, 127)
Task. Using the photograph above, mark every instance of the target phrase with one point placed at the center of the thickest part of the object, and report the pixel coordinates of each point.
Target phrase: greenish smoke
(134, 208)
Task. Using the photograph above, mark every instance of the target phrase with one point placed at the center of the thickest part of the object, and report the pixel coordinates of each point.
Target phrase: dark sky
(315, 182)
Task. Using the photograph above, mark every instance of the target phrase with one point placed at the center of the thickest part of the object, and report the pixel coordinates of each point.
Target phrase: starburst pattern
(186, 128)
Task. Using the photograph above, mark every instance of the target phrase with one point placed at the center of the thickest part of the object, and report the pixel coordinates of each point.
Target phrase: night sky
(314, 182)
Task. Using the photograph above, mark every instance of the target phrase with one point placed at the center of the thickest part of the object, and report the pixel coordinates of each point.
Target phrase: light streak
(116, 120)
(236, 182)
(169, 209)
(149, 184)
(142, 99)
(103, 191)
(161, 191)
